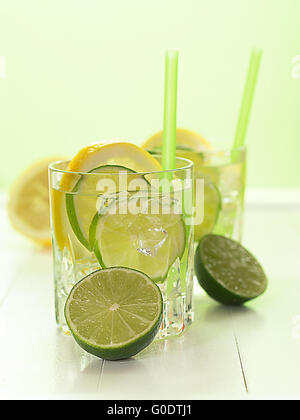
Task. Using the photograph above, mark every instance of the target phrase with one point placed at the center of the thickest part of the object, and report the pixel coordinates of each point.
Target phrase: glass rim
(188, 165)
(216, 149)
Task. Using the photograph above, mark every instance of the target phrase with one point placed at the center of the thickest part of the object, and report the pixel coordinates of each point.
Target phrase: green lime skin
(120, 353)
(70, 200)
(90, 304)
(227, 271)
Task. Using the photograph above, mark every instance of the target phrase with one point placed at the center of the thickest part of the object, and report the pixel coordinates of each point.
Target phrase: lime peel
(227, 271)
(79, 202)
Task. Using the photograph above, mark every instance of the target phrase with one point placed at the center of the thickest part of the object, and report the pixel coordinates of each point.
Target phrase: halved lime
(212, 207)
(140, 238)
(227, 271)
(82, 203)
(114, 313)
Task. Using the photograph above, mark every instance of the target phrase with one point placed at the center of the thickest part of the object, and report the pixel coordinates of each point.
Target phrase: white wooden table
(236, 353)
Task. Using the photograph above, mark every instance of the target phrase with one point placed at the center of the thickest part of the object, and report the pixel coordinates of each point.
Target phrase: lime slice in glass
(114, 313)
(227, 271)
(212, 207)
(138, 239)
(82, 203)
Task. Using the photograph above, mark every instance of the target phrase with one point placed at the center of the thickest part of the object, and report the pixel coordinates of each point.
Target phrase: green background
(80, 71)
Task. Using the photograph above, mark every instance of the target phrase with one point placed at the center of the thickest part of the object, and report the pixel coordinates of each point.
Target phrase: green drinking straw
(170, 110)
(245, 110)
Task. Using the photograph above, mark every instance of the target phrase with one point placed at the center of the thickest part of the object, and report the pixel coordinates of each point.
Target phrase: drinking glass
(220, 182)
(116, 217)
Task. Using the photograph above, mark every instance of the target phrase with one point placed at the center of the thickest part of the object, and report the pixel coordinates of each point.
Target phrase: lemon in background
(28, 204)
(186, 138)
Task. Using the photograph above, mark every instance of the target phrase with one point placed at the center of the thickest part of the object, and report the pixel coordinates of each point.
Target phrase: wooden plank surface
(203, 363)
(268, 330)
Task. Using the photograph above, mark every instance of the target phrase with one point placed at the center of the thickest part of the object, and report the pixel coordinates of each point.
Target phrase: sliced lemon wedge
(28, 205)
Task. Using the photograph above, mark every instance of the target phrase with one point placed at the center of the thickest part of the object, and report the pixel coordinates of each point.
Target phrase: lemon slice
(121, 154)
(186, 138)
(126, 155)
(28, 206)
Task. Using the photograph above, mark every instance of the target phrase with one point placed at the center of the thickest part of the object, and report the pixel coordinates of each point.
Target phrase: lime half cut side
(227, 271)
(114, 313)
(82, 203)
(147, 242)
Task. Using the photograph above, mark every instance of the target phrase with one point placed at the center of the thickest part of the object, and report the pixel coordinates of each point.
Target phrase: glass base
(176, 317)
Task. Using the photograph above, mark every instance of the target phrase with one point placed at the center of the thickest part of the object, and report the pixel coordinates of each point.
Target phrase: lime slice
(227, 271)
(138, 239)
(212, 207)
(114, 313)
(81, 205)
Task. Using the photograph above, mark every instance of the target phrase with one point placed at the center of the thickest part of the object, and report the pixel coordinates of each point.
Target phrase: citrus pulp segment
(114, 313)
